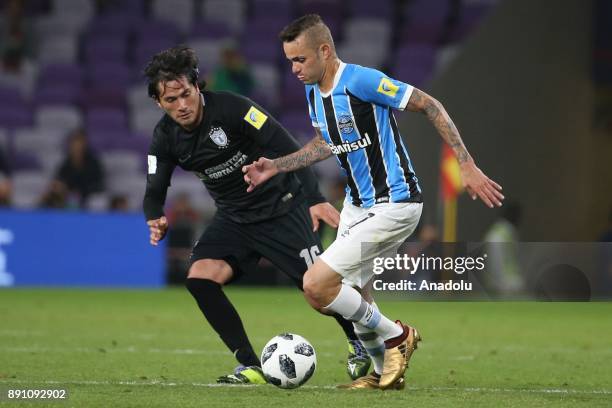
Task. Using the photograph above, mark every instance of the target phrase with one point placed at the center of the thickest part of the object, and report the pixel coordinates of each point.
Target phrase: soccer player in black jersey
(213, 134)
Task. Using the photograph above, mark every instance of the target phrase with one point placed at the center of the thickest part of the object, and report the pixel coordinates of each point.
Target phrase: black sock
(347, 326)
(222, 316)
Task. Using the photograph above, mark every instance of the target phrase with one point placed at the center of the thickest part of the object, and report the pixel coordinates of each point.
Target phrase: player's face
(180, 99)
(306, 61)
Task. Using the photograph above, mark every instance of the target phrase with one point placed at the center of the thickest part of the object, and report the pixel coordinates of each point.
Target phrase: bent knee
(216, 270)
(310, 284)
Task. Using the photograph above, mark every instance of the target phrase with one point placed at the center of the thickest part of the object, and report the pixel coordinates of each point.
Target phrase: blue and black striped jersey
(356, 120)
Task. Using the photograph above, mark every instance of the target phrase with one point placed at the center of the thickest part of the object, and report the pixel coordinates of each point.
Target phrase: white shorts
(366, 233)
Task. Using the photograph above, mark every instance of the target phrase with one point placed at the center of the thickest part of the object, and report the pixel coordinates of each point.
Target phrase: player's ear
(325, 50)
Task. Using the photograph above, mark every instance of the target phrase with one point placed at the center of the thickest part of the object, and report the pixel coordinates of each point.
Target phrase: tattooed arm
(263, 169)
(314, 151)
(437, 115)
(474, 180)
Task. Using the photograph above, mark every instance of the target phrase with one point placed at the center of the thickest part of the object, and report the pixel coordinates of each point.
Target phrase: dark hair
(298, 26)
(172, 64)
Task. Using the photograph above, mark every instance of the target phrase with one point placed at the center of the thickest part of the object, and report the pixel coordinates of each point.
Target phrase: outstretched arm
(474, 180)
(314, 151)
(263, 169)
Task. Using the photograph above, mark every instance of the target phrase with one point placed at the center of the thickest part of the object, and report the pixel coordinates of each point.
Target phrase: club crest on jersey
(345, 123)
(218, 136)
(386, 87)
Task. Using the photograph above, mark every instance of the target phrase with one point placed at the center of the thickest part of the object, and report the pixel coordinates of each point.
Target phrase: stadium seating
(91, 56)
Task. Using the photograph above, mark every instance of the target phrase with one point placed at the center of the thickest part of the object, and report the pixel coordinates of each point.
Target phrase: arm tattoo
(314, 151)
(421, 102)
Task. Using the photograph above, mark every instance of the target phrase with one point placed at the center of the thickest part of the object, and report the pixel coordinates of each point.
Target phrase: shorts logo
(386, 87)
(255, 117)
(218, 136)
(345, 123)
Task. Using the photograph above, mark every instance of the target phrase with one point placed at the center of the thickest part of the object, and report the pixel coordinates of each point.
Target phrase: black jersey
(234, 131)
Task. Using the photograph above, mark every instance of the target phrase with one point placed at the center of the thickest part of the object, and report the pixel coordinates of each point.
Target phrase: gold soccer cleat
(371, 382)
(398, 355)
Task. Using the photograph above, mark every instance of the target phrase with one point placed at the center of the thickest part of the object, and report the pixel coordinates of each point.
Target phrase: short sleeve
(371, 85)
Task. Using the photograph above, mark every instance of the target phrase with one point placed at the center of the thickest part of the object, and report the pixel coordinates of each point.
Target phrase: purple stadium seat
(134, 142)
(106, 119)
(113, 24)
(99, 96)
(156, 30)
(298, 124)
(102, 48)
(24, 161)
(61, 74)
(372, 9)
(56, 93)
(17, 116)
(293, 96)
(116, 75)
(264, 28)
(425, 21)
(281, 10)
(210, 30)
(134, 8)
(147, 47)
(327, 9)
(11, 97)
(101, 139)
(414, 64)
(261, 49)
(469, 18)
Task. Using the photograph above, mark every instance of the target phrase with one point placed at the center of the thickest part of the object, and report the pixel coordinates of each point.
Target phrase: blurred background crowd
(76, 121)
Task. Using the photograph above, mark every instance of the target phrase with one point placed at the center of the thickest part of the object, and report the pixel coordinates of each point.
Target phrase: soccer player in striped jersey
(351, 110)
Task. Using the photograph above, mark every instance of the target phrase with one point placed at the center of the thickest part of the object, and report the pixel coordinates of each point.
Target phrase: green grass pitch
(153, 349)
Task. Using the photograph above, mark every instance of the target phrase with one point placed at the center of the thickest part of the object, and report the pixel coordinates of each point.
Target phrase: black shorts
(287, 241)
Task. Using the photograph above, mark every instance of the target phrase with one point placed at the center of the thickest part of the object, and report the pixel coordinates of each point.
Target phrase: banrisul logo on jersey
(349, 147)
(345, 123)
(218, 136)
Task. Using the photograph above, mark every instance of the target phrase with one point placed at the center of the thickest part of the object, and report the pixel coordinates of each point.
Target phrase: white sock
(353, 307)
(373, 343)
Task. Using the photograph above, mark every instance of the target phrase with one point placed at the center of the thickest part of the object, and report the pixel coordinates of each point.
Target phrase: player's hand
(326, 213)
(478, 185)
(259, 172)
(158, 229)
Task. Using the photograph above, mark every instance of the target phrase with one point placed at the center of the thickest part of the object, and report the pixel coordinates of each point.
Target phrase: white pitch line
(318, 387)
(130, 349)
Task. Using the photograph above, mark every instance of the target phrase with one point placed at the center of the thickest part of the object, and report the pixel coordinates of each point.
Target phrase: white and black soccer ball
(288, 360)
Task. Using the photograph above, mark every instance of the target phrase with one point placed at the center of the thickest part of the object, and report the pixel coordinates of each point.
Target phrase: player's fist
(157, 229)
(259, 172)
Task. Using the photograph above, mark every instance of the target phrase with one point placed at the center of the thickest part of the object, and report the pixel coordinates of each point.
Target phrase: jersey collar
(336, 80)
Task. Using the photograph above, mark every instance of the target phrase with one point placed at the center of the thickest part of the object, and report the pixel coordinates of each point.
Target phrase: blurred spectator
(17, 72)
(16, 32)
(56, 196)
(119, 203)
(503, 269)
(5, 181)
(81, 171)
(16, 68)
(233, 74)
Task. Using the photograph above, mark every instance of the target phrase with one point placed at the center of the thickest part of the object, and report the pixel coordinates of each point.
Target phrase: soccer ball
(288, 360)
